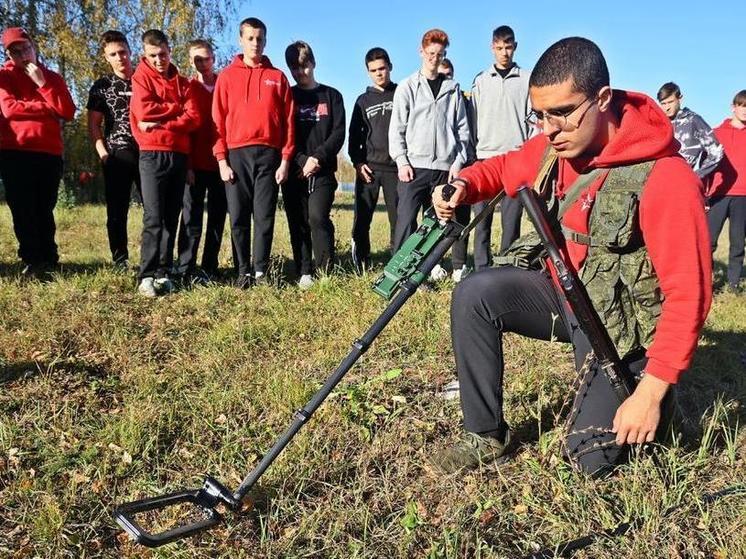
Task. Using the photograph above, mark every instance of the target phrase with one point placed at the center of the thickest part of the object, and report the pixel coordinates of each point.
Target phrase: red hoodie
(672, 218)
(31, 115)
(167, 100)
(201, 157)
(730, 177)
(253, 107)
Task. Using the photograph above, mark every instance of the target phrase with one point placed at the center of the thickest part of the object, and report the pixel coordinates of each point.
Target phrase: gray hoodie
(500, 106)
(427, 132)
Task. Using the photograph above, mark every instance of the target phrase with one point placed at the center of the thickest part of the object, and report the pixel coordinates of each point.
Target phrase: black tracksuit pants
(507, 299)
(511, 211)
(366, 199)
(190, 227)
(732, 208)
(253, 194)
(417, 195)
(121, 170)
(162, 175)
(31, 181)
(308, 206)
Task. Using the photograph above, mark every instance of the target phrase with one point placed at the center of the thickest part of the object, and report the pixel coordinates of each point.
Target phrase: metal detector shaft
(213, 494)
(578, 299)
(359, 347)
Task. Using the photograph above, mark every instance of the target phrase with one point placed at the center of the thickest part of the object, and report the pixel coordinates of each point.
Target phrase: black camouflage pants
(507, 299)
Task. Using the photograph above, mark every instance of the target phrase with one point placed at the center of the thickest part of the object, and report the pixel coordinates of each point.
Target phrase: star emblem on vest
(586, 202)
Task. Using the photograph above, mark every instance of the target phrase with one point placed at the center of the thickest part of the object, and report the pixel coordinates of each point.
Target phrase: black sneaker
(245, 281)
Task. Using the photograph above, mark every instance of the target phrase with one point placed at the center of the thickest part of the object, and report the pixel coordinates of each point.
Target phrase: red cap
(13, 35)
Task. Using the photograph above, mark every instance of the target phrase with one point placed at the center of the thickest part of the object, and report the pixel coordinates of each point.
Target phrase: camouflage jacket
(699, 146)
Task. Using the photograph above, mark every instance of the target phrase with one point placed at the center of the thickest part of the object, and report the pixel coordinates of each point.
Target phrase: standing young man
(699, 146)
(642, 254)
(727, 198)
(203, 177)
(368, 146)
(253, 112)
(163, 114)
(309, 192)
(33, 103)
(109, 104)
(428, 137)
(500, 104)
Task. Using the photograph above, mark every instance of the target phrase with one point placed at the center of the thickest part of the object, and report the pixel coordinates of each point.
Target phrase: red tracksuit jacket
(168, 100)
(730, 177)
(672, 218)
(253, 107)
(31, 116)
(203, 138)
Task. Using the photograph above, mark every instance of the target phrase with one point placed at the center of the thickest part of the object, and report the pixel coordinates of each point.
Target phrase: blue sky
(645, 43)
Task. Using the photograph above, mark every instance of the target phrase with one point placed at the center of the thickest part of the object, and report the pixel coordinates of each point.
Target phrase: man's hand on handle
(445, 210)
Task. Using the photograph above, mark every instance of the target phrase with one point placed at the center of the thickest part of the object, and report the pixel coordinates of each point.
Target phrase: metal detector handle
(205, 500)
(578, 299)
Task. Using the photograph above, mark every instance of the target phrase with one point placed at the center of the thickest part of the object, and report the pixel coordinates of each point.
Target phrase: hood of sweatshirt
(375, 91)
(644, 132)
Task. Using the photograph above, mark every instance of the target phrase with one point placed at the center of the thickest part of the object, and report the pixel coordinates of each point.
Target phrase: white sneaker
(147, 288)
(459, 274)
(450, 391)
(306, 281)
(163, 286)
(438, 273)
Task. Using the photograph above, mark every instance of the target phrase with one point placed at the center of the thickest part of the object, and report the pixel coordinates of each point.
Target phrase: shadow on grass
(12, 372)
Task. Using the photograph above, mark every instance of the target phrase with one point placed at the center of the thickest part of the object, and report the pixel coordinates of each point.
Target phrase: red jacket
(203, 138)
(672, 218)
(253, 107)
(31, 116)
(730, 177)
(169, 101)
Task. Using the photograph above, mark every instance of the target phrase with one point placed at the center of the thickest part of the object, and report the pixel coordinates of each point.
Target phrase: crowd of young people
(231, 141)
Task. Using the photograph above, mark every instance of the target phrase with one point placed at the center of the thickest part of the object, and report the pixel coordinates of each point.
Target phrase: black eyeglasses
(559, 118)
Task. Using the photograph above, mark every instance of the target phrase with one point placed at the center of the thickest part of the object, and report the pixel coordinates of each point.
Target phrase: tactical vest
(617, 272)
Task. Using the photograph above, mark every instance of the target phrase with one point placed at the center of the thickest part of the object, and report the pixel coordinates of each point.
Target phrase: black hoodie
(319, 126)
(369, 129)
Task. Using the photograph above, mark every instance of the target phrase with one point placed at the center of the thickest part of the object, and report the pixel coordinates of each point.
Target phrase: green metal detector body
(405, 263)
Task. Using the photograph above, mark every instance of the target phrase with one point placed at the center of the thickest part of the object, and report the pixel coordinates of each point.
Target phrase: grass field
(107, 397)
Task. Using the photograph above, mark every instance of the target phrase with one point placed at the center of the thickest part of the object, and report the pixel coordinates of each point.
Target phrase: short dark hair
(503, 33)
(112, 36)
(573, 58)
(254, 22)
(740, 98)
(200, 44)
(154, 37)
(668, 89)
(299, 53)
(446, 63)
(377, 53)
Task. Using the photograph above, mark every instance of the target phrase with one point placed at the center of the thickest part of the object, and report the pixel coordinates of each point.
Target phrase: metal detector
(431, 241)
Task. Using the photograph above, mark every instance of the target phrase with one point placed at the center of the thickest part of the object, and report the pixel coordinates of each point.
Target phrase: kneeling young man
(651, 281)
